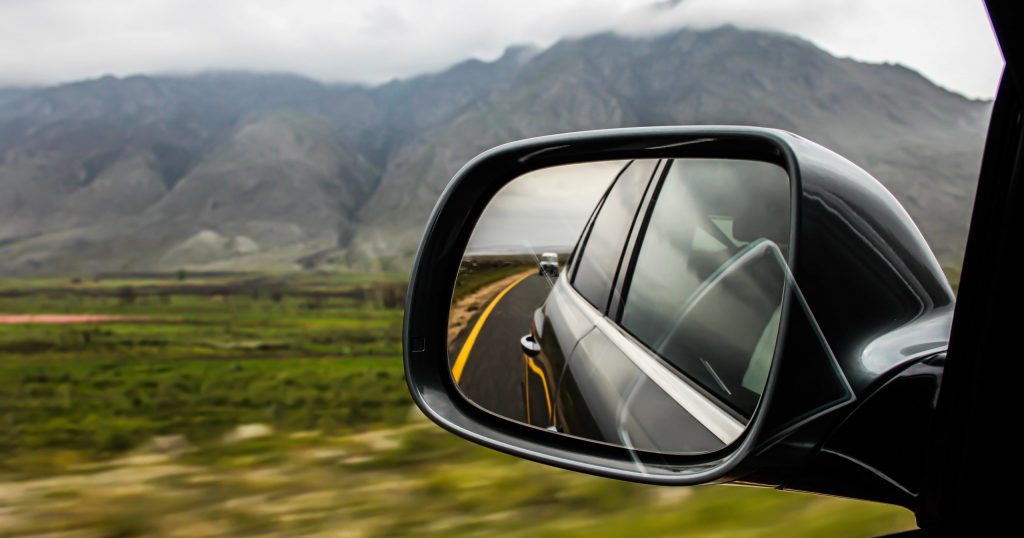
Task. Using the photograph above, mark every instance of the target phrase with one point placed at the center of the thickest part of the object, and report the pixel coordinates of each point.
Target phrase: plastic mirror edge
(441, 249)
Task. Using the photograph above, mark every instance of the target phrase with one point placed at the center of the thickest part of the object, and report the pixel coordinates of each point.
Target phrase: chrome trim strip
(720, 423)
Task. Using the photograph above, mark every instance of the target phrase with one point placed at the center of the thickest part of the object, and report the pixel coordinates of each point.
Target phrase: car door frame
(980, 386)
(579, 250)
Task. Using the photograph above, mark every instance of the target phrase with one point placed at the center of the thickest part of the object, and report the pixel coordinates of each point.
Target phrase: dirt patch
(465, 308)
(62, 319)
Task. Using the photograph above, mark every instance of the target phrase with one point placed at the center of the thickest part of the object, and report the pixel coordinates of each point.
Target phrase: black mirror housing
(865, 298)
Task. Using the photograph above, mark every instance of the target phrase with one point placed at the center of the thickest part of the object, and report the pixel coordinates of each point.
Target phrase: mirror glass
(635, 303)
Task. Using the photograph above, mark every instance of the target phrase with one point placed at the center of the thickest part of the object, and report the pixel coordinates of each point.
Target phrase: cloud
(47, 41)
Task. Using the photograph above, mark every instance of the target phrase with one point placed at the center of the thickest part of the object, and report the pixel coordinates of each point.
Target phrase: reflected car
(548, 264)
(661, 334)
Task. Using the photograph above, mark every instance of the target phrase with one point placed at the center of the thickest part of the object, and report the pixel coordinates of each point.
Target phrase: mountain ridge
(280, 172)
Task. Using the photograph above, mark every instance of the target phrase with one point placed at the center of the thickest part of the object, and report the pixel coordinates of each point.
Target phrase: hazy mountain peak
(240, 170)
(520, 54)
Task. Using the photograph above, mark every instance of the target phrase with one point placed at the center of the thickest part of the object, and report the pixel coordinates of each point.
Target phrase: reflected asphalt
(492, 374)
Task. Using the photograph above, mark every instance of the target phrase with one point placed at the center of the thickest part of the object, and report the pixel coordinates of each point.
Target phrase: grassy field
(199, 360)
(255, 404)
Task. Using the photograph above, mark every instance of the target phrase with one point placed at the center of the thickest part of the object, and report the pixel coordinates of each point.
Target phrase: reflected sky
(543, 210)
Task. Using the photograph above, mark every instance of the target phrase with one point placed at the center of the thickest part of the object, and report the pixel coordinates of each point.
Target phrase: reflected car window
(603, 249)
(706, 287)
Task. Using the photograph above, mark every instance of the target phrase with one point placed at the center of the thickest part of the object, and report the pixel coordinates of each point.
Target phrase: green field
(262, 404)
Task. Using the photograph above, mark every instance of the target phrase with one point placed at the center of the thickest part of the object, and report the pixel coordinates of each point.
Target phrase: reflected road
(490, 369)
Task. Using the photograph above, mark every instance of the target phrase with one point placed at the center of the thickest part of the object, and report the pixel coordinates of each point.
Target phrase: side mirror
(724, 295)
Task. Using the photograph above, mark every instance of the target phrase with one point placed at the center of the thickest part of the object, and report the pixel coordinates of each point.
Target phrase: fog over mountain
(237, 171)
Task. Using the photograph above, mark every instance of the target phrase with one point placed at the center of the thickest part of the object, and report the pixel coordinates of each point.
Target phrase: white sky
(48, 41)
(543, 210)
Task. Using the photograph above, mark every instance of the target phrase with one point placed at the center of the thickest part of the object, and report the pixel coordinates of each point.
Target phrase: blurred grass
(414, 480)
(268, 405)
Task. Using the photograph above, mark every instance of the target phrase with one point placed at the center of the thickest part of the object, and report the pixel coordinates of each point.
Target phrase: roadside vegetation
(479, 271)
(261, 404)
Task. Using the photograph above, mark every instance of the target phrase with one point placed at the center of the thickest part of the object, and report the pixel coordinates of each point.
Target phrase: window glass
(706, 288)
(603, 249)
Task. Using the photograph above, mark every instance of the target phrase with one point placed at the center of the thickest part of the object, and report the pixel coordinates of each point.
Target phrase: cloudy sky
(48, 41)
(543, 210)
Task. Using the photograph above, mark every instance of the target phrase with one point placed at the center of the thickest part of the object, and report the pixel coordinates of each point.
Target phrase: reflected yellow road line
(544, 380)
(460, 362)
(526, 386)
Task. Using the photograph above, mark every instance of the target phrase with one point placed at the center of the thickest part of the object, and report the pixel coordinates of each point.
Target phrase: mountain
(243, 171)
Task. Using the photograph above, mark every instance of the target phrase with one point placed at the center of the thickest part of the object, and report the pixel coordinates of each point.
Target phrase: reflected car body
(591, 373)
(589, 397)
